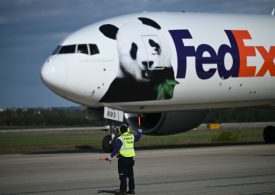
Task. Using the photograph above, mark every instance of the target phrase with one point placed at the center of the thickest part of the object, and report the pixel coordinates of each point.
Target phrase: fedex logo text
(237, 49)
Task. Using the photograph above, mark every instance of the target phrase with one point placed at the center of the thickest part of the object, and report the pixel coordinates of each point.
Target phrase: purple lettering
(182, 50)
(234, 52)
(201, 60)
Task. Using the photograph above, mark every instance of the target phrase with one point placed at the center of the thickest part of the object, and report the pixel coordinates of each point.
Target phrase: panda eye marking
(149, 22)
(155, 45)
(133, 51)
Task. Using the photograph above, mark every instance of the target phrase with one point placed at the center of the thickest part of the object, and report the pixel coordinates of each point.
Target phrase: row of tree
(252, 114)
(57, 117)
(43, 117)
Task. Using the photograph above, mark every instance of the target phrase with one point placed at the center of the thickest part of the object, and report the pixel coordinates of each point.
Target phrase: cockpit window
(93, 49)
(82, 48)
(89, 49)
(67, 49)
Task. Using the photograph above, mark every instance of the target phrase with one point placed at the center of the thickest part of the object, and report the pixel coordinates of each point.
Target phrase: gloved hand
(109, 158)
(140, 130)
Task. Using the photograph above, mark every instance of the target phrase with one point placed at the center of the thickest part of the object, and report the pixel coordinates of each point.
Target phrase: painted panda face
(143, 51)
(147, 56)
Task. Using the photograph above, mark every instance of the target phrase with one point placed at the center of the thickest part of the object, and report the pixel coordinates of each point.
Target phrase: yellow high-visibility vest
(127, 148)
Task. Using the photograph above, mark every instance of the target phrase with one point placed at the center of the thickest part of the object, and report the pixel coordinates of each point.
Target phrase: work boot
(131, 192)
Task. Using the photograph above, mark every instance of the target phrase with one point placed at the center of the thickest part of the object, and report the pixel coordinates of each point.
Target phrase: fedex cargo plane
(171, 67)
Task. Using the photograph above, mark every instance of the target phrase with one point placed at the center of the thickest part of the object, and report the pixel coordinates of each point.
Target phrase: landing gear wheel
(107, 144)
(108, 141)
(269, 134)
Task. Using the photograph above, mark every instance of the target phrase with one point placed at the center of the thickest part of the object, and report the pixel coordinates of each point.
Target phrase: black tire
(106, 146)
(269, 134)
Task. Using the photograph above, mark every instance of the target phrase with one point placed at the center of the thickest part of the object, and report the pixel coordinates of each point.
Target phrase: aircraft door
(153, 52)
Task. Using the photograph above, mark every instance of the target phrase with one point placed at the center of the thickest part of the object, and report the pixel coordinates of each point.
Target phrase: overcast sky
(31, 29)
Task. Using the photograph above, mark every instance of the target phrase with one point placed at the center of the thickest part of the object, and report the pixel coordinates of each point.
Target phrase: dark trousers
(126, 170)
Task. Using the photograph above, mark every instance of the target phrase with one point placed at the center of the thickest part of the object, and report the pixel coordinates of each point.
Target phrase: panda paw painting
(145, 72)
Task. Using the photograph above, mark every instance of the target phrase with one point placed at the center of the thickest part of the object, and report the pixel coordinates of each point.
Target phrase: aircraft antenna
(273, 12)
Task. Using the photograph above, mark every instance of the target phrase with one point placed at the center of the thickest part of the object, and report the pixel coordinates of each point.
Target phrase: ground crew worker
(124, 148)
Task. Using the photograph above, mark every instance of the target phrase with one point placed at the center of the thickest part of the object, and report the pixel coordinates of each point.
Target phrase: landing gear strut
(109, 140)
(269, 134)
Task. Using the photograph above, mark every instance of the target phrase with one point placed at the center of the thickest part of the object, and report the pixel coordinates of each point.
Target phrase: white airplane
(171, 67)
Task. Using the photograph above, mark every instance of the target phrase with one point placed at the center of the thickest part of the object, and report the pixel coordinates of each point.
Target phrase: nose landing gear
(108, 141)
(107, 144)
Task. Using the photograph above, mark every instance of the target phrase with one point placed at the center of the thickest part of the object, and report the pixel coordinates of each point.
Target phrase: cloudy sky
(31, 29)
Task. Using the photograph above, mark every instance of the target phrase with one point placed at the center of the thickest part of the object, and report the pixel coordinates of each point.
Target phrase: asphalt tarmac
(243, 170)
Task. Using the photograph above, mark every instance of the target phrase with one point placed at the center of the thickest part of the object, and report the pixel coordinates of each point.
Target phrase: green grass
(203, 137)
(47, 141)
(76, 141)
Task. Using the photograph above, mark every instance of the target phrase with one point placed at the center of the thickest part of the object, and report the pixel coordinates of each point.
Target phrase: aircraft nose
(54, 74)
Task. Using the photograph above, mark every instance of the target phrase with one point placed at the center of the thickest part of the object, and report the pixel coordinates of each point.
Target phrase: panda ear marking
(109, 30)
(149, 22)
(133, 51)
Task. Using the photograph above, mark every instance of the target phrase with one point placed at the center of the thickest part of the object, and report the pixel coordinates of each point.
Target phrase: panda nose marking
(148, 63)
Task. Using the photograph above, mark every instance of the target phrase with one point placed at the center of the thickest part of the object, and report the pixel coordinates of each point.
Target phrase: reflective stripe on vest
(127, 148)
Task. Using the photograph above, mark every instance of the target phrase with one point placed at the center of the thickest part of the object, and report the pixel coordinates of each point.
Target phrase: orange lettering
(244, 52)
(268, 64)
